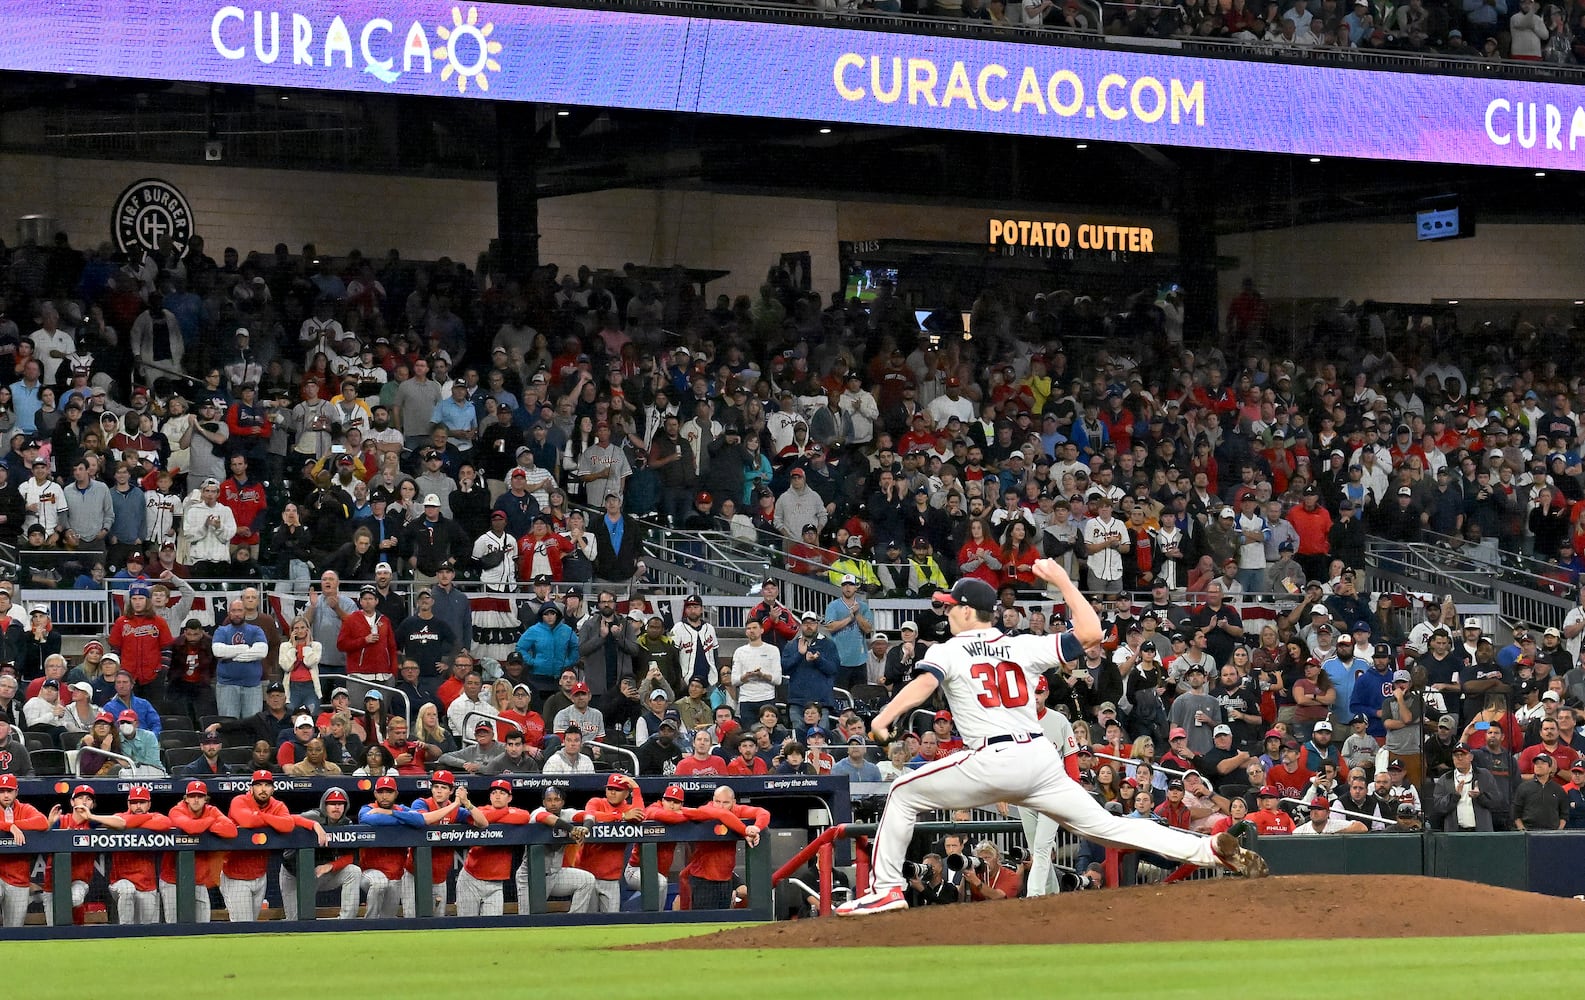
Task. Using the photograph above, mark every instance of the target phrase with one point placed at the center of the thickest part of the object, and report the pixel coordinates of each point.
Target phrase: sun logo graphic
(466, 39)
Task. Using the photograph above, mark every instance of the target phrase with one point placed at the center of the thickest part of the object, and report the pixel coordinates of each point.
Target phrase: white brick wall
(1383, 261)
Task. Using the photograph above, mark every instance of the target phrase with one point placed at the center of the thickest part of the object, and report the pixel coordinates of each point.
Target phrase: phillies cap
(970, 592)
(673, 792)
(335, 795)
(615, 781)
(386, 782)
(106, 718)
(127, 715)
(443, 777)
(1320, 802)
(262, 777)
(8, 781)
(88, 790)
(501, 785)
(193, 787)
(1177, 733)
(580, 688)
(138, 793)
(1267, 792)
(943, 716)
(301, 721)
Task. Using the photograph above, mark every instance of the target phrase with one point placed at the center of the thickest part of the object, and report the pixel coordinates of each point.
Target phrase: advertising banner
(570, 56)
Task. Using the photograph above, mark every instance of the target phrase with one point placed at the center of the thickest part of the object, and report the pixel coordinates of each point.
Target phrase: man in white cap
(430, 540)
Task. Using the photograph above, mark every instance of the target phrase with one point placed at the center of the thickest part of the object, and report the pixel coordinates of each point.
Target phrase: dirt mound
(1202, 910)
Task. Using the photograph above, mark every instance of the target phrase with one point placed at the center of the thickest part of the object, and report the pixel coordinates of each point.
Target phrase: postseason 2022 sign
(599, 58)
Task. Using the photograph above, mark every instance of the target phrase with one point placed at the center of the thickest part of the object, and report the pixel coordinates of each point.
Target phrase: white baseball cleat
(1237, 858)
(875, 902)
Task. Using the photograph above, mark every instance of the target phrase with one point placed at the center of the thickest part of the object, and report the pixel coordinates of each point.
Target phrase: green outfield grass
(574, 962)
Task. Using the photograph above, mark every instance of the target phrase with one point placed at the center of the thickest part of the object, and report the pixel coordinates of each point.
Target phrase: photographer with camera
(927, 882)
(985, 877)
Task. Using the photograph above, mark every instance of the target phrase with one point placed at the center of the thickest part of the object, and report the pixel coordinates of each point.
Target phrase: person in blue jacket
(810, 664)
(1371, 688)
(548, 647)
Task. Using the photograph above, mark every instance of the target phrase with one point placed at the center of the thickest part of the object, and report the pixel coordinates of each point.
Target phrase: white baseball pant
(609, 894)
(478, 898)
(244, 898)
(134, 905)
(1040, 832)
(200, 902)
(79, 896)
(384, 895)
(633, 878)
(560, 881)
(349, 880)
(1028, 773)
(14, 904)
(409, 889)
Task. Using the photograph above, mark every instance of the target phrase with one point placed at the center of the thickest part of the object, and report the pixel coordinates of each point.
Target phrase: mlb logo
(80, 840)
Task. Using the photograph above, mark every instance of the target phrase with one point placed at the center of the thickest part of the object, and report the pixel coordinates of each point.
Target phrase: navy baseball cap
(968, 591)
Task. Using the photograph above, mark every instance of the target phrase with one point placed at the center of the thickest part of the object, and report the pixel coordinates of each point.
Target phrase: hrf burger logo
(150, 212)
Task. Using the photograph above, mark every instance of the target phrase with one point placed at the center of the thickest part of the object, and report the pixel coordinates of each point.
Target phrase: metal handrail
(407, 705)
(483, 715)
(1362, 817)
(128, 761)
(624, 751)
(1153, 765)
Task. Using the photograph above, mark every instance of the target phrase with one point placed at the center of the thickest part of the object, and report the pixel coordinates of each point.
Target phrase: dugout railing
(534, 839)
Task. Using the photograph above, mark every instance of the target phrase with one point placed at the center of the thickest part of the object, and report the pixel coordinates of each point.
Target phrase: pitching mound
(1201, 910)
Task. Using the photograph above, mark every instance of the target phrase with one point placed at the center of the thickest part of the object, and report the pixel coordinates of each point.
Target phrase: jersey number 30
(1004, 683)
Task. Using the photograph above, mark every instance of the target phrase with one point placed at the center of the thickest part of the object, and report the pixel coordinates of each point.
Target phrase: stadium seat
(38, 741)
(51, 762)
(205, 721)
(176, 757)
(170, 722)
(236, 756)
(169, 741)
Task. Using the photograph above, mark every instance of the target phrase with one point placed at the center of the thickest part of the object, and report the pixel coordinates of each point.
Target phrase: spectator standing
(811, 665)
(239, 648)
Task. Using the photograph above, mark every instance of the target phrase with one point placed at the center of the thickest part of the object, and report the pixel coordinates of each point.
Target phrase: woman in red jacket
(540, 551)
(980, 557)
(1018, 555)
(369, 639)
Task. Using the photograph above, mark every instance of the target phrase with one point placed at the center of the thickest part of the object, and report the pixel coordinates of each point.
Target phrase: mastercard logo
(720, 828)
(364, 785)
(259, 838)
(61, 787)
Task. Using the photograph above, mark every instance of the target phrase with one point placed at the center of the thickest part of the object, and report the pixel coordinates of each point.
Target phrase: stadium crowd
(1479, 30)
(454, 462)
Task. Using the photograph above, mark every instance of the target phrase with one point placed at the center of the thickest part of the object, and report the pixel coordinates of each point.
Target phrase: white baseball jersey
(1060, 731)
(989, 678)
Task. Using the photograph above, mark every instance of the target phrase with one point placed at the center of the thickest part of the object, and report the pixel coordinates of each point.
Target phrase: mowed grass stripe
(511, 962)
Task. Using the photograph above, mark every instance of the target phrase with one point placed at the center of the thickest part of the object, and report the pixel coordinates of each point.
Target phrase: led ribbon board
(658, 62)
